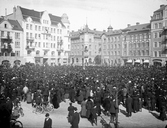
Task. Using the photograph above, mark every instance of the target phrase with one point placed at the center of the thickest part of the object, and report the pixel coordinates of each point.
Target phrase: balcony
(30, 39)
(6, 48)
(7, 39)
(164, 39)
(30, 48)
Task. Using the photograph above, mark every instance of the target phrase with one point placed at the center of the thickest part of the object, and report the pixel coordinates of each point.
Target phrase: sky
(98, 14)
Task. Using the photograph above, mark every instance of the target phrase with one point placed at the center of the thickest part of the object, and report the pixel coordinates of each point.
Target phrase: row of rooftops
(135, 28)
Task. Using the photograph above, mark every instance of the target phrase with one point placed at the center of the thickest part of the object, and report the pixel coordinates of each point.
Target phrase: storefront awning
(129, 61)
(146, 61)
(137, 61)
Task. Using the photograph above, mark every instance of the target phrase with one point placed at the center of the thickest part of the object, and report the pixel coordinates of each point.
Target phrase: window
(35, 27)
(5, 25)
(27, 26)
(30, 26)
(30, 35)
(17, 35)
(155, 53)
(159, 53)
(160, 25)
(57, 31)
(155, 44)
(39, 28)
(17, 44)
(60, 31)
(27, 34)
(39, 44)
(155, 35)
(17, 53)
(44, 44)
(159, 44)
(35, 35)
(2, 33)
(147, 52)
(39, 36)
(155, 26)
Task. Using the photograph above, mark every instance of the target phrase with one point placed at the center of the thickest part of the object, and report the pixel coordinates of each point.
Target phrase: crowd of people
(95, 88)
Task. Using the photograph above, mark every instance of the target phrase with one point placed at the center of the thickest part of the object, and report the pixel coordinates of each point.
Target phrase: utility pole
(116, 102)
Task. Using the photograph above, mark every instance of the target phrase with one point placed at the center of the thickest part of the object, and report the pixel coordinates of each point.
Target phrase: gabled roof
(55, 20)
(139, 27)
(36, 16)
(15, 24)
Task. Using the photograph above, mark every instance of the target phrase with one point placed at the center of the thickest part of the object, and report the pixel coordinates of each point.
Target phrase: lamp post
(59, 49)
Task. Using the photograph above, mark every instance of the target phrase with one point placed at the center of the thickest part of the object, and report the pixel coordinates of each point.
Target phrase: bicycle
(44, 107)
(15, 123)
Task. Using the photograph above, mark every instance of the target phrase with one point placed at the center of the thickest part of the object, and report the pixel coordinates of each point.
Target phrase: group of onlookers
(95, 88)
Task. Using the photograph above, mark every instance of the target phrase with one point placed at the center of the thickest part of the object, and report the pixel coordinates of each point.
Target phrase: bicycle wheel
(12, 123)
(18, 124)
(39, 109)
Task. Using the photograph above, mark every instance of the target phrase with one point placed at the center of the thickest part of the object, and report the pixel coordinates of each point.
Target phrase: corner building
(45, 36)
(11, 38)
(85, 46)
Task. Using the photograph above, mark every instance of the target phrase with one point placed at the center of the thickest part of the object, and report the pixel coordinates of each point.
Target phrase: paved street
(142, 119)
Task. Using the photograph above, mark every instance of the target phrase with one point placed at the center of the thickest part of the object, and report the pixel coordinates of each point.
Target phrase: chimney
(5, 11)
(94, 29)
(137, 23)
(161, 5)
(14, 12)
(128, 25)
(104, 30)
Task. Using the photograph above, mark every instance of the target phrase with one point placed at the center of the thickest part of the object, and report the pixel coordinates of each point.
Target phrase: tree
(97, 59)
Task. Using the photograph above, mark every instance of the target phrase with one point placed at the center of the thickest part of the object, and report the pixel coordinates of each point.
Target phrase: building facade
(157, 22)
(85, 46)
(136, 43)
(45, 36)
(111, 47)
(11, 38)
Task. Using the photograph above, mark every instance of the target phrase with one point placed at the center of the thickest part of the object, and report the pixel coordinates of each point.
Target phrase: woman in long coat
(55, 101)
(29, 97)
(129, 105)
(75, 119)
(83, 108)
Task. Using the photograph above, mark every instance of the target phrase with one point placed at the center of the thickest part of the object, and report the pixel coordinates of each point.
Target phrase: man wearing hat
(48, 121)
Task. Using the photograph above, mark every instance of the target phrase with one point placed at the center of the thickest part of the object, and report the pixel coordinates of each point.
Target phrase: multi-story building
(136, 43)
(46, 36)
(158, 54)
(85, 46)
(111, 47)
(11, 38)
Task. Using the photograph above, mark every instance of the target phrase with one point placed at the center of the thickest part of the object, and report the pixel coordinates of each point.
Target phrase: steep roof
(161, 8)
(114, 32)
(139, 27)
(55, 20)
(36, 16)
(15, 24)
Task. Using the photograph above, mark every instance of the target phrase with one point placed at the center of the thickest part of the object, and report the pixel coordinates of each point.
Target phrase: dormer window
(5, 25)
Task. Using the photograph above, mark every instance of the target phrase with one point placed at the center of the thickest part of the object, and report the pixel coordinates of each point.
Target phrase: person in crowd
(89, 107)
(129, 105)
(75, 119)
(83, 108)
(48, 121)
(70, 109)
(25, 90)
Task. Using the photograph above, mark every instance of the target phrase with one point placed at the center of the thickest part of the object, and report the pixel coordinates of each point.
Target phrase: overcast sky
(99, 13)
